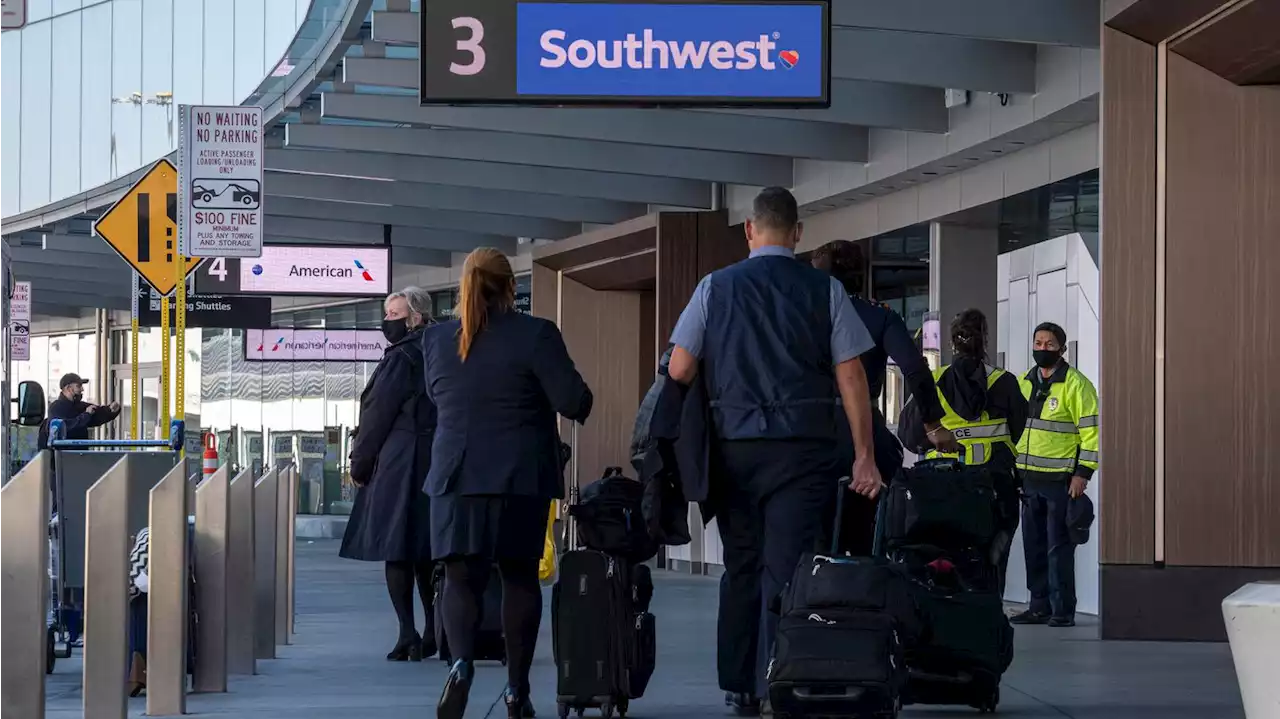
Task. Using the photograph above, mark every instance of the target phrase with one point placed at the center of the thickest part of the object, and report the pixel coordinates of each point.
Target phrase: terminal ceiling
(353, 158)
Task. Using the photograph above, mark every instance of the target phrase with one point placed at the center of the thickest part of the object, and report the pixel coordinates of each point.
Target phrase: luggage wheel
(50, 650)
(989, 704)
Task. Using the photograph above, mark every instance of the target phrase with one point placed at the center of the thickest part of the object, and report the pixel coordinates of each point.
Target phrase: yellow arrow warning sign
(143, 227)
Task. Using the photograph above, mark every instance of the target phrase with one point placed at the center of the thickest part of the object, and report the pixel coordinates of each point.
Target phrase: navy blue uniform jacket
(389, 456)
(496, 423)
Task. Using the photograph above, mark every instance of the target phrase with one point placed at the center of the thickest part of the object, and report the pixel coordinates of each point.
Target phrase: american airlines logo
(314, 345)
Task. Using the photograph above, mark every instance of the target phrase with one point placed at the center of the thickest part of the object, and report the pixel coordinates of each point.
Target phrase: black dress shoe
(407, 649)
(1062, 621)
(742, 703)
(518, 704)
(457, 689)
(1029, 617)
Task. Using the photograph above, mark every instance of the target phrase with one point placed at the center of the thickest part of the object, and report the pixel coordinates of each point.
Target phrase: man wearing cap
(76, 414)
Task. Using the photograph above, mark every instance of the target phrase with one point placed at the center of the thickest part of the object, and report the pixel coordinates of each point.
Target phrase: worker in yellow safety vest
(1057, 457)
(983, 408)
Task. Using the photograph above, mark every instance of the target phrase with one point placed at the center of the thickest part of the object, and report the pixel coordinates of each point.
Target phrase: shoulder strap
(411, 402)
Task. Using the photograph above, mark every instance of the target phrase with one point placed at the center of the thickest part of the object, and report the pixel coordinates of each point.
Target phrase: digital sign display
(738, 53)
(313, 345)
(307, 270)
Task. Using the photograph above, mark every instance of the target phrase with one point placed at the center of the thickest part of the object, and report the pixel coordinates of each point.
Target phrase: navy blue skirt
(490, 526)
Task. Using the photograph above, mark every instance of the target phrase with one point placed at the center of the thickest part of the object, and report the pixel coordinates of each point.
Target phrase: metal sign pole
(135, 409)
(180, 319)
(164, 367)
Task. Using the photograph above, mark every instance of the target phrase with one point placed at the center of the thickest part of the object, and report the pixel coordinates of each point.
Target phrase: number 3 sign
(740, 53)
(470, 45)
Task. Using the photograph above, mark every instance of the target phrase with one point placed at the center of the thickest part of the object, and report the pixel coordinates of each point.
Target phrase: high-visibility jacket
(1062, 424)
(978, 437)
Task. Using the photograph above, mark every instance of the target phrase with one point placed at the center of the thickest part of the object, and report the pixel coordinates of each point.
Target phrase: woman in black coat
(389, 458)
(498, 378)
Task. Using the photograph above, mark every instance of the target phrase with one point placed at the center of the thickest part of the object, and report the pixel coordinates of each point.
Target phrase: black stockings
(465, 581)
(401, 576)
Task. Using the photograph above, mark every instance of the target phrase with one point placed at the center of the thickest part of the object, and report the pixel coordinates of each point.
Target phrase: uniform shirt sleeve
(901, 348)
(691, 328)
(1084, 409)
(849, 335)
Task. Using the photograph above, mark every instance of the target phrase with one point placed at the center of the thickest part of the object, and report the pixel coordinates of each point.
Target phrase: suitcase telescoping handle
(877, 541)
(571, 528)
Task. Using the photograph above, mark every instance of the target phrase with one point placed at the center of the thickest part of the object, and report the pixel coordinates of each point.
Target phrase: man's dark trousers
(1050, 555)
(776, 496)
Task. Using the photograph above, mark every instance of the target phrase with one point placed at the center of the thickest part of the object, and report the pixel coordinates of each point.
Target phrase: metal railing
(241, 549)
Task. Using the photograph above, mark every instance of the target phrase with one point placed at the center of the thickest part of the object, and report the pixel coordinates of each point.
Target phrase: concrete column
(962, 274)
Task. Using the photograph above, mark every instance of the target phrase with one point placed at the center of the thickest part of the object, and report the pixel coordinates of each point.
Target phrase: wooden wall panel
(544, 293)
(1222, 478)
(602, 330)
(677, 270)
(649, 352)
(719, 244)
(1127, 391)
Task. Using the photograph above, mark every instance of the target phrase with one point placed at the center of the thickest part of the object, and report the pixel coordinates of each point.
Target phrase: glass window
(37, 65)
(64, 160)
(157, 111)
(219, 69)
(11, 121)
(908, 244)
(905, 290)
(38, 10)
(65, 6)
(126, 86)
(95, 97)
(281, 20)
(188, 53)
(249, 49)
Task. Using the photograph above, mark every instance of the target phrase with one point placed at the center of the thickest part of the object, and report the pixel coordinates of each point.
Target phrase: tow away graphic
(216, 194)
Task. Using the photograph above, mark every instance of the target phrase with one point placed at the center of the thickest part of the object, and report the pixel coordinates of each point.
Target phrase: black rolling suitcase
(603, 636)
(839, 649)
(940, 521)
(490, 645)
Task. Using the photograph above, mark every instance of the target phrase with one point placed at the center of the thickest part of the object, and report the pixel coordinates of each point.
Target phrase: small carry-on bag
(840, 643)
(940, 502)
(603, 636)
(490, 645)
(966, 647)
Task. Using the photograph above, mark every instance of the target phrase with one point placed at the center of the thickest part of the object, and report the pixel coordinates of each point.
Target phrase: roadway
(336, 670)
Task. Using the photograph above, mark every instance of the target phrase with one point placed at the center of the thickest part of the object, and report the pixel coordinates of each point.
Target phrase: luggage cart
(58, 632)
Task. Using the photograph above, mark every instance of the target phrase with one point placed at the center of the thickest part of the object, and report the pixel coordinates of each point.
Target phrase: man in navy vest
(775, 339)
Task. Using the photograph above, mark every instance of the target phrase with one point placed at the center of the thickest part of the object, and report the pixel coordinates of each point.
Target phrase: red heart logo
(789, 58)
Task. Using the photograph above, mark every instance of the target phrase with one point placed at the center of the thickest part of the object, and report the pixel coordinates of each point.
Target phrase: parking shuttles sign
(220, 181)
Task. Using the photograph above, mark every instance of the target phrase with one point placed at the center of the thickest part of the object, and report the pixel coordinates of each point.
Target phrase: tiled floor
(336, 670)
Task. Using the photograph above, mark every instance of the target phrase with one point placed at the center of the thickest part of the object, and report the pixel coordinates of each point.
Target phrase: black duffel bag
(609, 518)
(941, 502)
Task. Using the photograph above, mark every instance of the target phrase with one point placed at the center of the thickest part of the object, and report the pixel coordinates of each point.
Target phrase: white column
(962, 274)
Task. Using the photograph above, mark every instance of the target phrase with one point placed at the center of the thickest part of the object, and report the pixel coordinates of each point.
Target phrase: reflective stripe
(1028, 461)
(1051, 426)
(1090, 421)
(990, 431)
(976, 453)
(1088, 456)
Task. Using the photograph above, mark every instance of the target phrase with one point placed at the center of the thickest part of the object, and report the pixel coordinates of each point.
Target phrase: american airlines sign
(321, 345)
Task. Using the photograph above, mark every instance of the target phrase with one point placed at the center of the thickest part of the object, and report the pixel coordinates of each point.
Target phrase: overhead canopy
(354, 158)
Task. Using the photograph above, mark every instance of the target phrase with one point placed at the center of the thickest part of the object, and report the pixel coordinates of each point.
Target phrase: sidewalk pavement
(336, 667)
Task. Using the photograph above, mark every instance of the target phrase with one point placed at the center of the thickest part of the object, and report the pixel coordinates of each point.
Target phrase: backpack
(609, 517)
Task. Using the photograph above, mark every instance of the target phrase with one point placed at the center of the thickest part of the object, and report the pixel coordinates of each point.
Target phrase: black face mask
(77, 396)
(1046, 359)
(395, 330)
